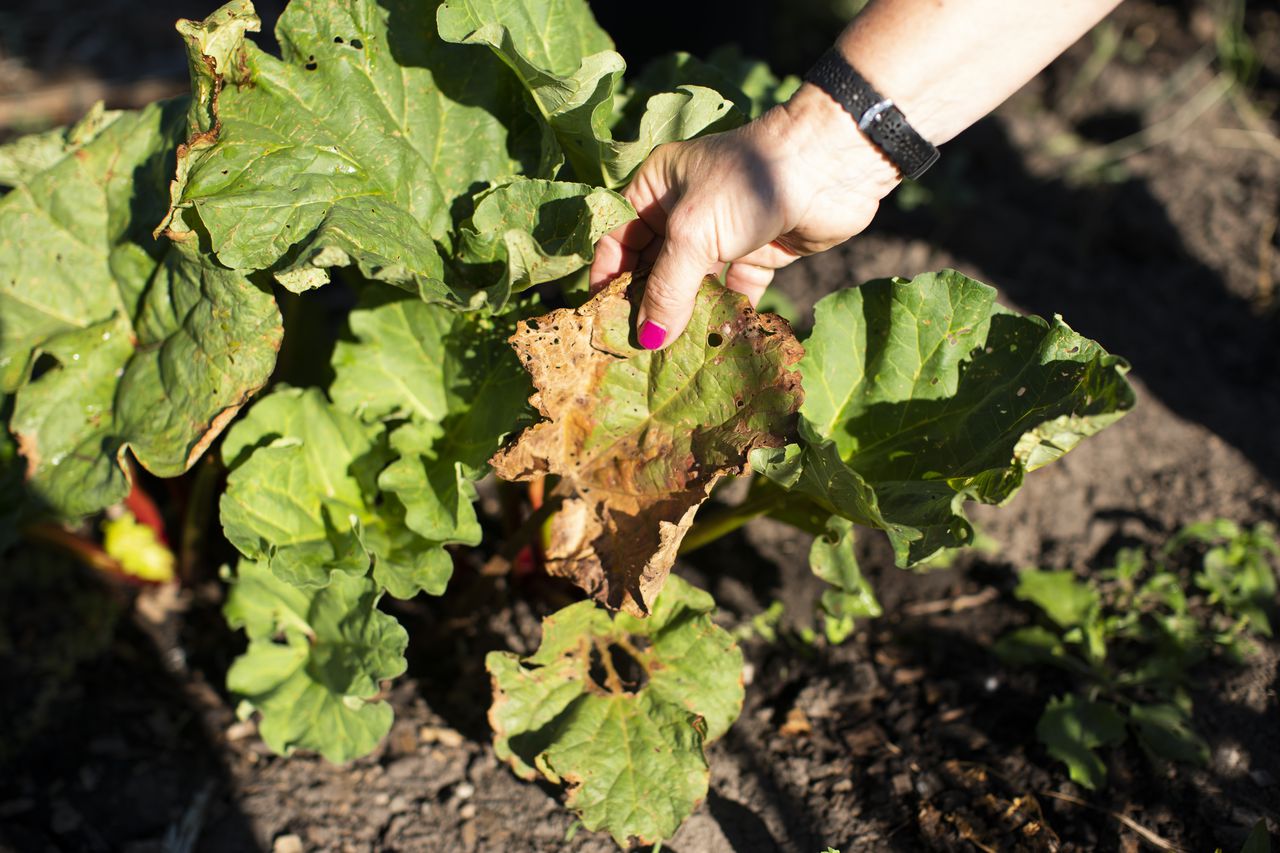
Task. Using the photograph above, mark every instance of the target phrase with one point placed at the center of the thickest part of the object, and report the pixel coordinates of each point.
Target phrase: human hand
(798, 180)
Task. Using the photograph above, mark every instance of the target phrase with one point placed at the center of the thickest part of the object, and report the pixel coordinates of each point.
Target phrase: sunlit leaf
(631, 752)
(922, 395)
(315, 661)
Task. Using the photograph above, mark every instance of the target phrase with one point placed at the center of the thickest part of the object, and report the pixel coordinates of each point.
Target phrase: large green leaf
(631, 753)
(921, 395)
(303, 497)
(315, 661)
(749, 83)
(28, 156)
(459, 385)
(573, 77)
(638, 438)
(141, 345)
(350, 149)
(538, 231)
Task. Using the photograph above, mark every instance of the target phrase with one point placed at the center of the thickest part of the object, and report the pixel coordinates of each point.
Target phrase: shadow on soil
(103, 747)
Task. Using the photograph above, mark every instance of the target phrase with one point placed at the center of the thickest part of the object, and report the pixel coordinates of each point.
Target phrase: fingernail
(651, 334)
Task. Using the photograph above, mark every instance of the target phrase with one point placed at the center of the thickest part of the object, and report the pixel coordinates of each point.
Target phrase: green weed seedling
(1130, 635)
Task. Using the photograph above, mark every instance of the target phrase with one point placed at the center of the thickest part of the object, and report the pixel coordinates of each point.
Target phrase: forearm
(802, 177)
(947, 63)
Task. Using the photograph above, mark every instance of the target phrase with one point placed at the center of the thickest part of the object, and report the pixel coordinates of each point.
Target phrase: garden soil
(1137, 197)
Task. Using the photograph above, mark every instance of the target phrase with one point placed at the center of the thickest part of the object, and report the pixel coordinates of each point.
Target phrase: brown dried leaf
(639, 438)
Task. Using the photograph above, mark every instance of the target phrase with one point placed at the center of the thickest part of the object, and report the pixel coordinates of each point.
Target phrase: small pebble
(287, 844)
(440, 735)
(901, 784)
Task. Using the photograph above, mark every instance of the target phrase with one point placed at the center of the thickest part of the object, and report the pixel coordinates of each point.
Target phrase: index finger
(619, 252)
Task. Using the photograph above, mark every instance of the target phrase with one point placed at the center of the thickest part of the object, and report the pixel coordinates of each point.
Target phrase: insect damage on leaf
(639, 438)
(620, 709)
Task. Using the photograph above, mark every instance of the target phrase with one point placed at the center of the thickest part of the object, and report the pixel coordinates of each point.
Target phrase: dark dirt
(911, 736)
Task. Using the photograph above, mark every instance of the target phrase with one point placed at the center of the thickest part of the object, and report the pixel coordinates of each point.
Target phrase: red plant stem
(144, 509)
(85, 551)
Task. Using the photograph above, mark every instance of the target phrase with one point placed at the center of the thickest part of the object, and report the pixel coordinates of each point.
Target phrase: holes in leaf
(311, 66)
(357, 44)
(338, 40)
(715, 339)
(615, 669)
(44, 363)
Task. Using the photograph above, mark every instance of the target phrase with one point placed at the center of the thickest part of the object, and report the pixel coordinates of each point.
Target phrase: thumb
(672, 288)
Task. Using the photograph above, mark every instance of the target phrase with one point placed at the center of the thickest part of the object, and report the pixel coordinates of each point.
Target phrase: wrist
(813, 124)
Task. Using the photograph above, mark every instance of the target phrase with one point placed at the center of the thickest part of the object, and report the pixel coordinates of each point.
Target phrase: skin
(802, 178)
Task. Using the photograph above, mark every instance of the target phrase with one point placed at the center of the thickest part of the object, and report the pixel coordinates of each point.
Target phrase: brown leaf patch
(638, 438)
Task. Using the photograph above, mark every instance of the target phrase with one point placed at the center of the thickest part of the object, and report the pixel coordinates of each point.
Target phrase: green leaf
(315, 661)
(539, 231)
(1259, 840)
(143, 346)
(460, 387)
(302, 496)
(573, 76)
(921, 395)
(1238, 574)
(1165, 731)
(638, 438)
(395, 366)
(1072, 728)
(1032, 644)
(1069, 602)
(832, 558)
(27, 156)
(632, 754)
(349, 149)
(749, 83)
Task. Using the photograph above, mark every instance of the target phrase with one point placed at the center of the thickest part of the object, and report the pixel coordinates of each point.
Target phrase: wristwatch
(877, 116)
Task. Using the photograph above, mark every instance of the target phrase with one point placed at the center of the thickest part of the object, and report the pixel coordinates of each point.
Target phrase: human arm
(802, 178)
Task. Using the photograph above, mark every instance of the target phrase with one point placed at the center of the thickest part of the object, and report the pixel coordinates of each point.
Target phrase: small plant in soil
(421, 185)
(1130, 636)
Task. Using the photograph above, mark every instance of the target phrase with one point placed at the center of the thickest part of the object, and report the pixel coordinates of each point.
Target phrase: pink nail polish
(651, 334)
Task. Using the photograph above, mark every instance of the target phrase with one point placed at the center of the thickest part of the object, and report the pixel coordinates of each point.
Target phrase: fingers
(771, 256)
(673, 285)
(752, 274)
(635, 242)
(618, 252)
(749, 280)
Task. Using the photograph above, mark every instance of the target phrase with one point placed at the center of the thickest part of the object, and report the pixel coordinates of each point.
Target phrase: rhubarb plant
(440, 172)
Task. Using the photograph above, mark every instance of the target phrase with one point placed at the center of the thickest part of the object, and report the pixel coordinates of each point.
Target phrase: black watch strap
(877, 117)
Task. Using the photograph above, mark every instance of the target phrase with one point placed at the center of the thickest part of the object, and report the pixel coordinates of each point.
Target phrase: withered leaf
(638, 438)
